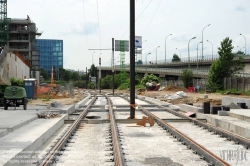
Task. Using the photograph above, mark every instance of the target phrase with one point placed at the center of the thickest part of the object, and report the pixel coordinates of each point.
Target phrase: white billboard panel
(138, 42)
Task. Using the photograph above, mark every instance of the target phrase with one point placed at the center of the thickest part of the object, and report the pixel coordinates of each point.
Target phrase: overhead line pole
(132, 59)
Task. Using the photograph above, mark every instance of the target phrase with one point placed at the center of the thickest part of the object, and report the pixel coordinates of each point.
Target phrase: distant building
(51, 54)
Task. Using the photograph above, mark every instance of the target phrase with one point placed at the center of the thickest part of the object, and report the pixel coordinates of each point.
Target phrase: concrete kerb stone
(156, 101)
(19, 125)
(34, 144)
(82, 102)
(69, 109)
(227, 100)
(190, 108)
(242, 117)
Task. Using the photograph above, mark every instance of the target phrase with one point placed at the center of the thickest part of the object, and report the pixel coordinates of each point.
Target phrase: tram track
(118, 136)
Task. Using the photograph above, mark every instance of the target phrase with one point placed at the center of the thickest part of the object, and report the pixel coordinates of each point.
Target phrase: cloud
(240, 8)
(79, 29)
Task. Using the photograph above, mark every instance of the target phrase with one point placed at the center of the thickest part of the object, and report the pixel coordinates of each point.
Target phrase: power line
(85, 24)
(137, 17)
(98, 24)
(152, 18)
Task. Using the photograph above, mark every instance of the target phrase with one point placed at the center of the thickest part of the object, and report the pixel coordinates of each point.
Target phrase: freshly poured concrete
(214, 143)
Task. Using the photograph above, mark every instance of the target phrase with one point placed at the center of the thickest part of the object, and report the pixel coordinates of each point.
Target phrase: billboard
(121, 45)
(138, 42)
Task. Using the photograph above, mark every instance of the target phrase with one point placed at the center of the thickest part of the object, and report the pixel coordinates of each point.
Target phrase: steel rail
(223, 133)
(204, 153)
(68, 134)
(118, 155)
(199, 149)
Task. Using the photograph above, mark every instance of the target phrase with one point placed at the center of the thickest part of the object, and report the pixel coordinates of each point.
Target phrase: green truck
(14, 96)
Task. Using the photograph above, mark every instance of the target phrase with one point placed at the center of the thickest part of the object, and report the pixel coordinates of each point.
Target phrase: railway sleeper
(109, 160)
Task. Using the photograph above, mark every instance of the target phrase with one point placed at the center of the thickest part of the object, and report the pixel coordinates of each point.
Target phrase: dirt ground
(195, 98)
(64, 101)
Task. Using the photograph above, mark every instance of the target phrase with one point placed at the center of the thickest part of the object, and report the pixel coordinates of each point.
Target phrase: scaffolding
(3, 23)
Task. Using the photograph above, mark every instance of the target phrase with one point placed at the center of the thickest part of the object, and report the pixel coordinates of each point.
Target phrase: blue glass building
(51, 54)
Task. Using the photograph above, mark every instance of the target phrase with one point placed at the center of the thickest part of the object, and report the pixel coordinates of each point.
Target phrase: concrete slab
(227, 100)
(165, 115)
(188, 108)
(14, 119)
(119, 101)
(26, 140)
(153, 146)
(243, 114)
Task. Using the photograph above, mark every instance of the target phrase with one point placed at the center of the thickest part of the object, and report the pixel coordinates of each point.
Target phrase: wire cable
(98, 24)
(85, 25)
(152, 18)
(137, 18)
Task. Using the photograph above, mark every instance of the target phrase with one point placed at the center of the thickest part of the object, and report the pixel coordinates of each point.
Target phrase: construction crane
(3, 23)
(52, 83)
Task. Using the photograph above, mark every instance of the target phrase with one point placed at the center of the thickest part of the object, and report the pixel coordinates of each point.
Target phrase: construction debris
(48, 115)
(177, 95)
(144, 120)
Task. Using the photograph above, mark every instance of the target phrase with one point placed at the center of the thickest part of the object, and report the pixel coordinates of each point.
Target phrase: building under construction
(19, 35)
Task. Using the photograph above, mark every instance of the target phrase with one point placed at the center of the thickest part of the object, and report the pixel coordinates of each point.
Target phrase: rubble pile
(48, 115)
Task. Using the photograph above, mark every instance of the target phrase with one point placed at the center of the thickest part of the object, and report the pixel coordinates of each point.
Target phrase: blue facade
(51, 54)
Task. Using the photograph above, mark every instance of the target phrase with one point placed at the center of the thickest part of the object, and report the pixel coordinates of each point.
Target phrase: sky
(91, 24)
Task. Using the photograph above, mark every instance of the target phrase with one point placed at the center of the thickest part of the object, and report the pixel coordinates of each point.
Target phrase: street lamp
(188, 53)
(92, 57)
(165, 47)
(146, 61)
(197, 58)
(202, 39)
(212, 49)
(156, 56)
(245, 44)
(179, 51)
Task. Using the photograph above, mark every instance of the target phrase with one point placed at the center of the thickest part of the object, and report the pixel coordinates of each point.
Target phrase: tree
(93, 70)
(44, 73)
(187, 77)
(75, 76)
(67, 75)
(176, 58)
(224, 66)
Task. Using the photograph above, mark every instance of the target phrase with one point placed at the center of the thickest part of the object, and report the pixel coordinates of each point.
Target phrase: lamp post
(100, 73)
(189, 53)
(197, 58)
(202, 39)
(165, 48)
(92, 57)
(212, 50)
(146, 61)
(179, 51)
(245, 44)
(156, 56)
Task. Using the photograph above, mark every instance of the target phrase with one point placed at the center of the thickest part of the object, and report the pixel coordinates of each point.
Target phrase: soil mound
(174, 89)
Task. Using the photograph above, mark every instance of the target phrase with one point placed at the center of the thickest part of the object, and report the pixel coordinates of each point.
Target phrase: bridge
(172, 70)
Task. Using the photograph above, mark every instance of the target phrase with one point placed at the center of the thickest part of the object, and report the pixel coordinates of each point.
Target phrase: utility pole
(132, 59)
(113, 49)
